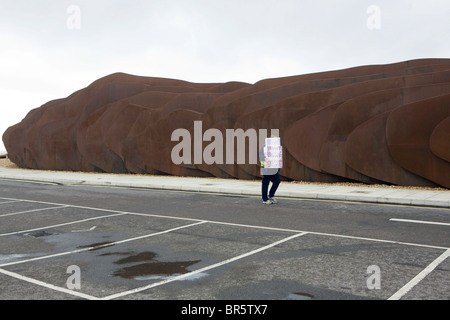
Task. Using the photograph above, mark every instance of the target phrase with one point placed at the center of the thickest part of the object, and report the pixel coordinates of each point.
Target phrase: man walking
(268, 175)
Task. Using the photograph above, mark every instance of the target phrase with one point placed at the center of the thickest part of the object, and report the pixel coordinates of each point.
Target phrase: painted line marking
(421, 221)
(85, 230)
(213, 266)
(101, 246)
(109, 210)
(9, 202)
(47, 285)
(411, 284)
(240, 225)
(333, 235)
(34, 210)
(61, 224)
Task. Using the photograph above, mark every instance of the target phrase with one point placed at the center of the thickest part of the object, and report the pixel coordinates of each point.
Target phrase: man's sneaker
(267, 202)
(273, 200)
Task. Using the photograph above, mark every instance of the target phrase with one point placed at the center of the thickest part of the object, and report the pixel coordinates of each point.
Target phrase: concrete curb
(376, 195)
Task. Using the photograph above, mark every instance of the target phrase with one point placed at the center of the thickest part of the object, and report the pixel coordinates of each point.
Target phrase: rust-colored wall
(372, 124)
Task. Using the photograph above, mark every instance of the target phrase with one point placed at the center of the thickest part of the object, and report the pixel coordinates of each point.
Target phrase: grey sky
(49, 51)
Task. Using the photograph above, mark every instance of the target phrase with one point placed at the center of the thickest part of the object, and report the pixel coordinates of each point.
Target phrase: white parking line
(153, 285)
(107, 210)
(420, 221)
(75, 293)
(100, 246)
(34, 210)
(61, 224)
(236, 224)
(5, 202)
(47, 285)
(407, 287)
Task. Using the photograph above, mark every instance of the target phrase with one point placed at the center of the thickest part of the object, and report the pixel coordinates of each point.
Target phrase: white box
(273, 152)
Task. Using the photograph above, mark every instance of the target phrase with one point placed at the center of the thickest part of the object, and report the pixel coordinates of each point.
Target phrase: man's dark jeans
(275, 179)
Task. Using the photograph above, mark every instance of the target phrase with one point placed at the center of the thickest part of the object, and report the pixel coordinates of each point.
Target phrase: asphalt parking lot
(77, 242)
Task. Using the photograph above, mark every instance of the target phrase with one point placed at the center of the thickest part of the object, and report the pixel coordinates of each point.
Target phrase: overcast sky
(51, 48)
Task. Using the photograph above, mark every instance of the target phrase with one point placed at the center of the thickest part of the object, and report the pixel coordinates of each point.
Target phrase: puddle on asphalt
(155, 268)
(38, 234)
(143, 256)
(300, 296)
(149, 267)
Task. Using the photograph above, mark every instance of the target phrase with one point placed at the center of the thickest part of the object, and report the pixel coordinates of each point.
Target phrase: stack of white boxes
(274, 153)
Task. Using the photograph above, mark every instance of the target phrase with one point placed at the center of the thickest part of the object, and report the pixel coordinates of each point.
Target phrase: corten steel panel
(440, 140)
(408, 131)
(347, 118)
(305, 138)
(366, 151)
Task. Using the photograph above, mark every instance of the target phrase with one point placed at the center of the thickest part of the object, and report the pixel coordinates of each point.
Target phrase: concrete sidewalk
(369, 194)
